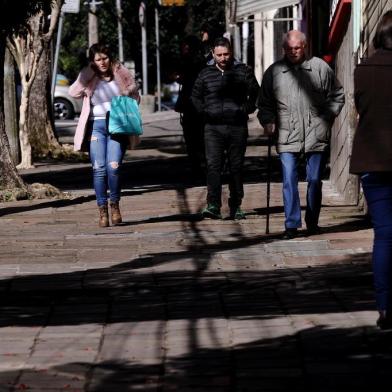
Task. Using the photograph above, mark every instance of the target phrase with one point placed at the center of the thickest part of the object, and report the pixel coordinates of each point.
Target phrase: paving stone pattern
(167, 302)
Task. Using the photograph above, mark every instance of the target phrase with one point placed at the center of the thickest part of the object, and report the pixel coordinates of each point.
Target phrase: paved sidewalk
(166, 302)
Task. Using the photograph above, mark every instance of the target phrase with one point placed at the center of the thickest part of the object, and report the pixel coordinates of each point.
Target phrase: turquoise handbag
(124, 117)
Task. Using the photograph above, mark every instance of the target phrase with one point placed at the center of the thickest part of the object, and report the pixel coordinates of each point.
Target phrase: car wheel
(63, 109)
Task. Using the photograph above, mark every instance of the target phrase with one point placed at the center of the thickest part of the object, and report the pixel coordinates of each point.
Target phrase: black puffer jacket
(225, 97)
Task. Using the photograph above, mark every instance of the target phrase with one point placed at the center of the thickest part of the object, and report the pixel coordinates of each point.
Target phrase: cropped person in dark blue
(372, 158)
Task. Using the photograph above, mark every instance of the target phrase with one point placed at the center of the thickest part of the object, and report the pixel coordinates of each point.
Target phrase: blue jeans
(106, 154)
(315, 165)
(377, 188)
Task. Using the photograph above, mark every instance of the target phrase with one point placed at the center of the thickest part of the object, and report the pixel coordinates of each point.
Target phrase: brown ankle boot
(103, 216)
(115, 213)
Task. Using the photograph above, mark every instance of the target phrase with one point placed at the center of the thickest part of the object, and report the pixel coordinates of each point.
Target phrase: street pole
(237, 42)
(92, 24)
(245, 37)
(142, 20)
(158, 58)
(267, 211)
(119, 29)
(258, 51)
(56, 55)
(228, 20)
(68, 7)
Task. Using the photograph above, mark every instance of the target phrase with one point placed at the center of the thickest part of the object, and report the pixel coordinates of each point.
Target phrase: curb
(160, 116)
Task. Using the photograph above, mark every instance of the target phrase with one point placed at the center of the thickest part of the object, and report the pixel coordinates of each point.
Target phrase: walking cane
(267, 213)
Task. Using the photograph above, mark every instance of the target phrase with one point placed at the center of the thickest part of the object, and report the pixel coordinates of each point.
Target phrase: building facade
(352, 26)
(340, 32)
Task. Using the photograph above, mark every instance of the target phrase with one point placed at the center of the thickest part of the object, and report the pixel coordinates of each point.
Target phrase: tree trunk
(27, 47)
(190, 19)
(40, 118)
(25, 146)
(10, 106)
(9, 177)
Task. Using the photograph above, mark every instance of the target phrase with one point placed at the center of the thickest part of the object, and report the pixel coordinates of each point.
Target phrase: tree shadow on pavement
(152, 175)
(330, 358)
(60, 203)
(267, 330)
(217, 315)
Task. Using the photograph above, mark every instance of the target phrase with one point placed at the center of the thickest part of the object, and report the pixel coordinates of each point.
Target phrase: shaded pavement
(167, 302)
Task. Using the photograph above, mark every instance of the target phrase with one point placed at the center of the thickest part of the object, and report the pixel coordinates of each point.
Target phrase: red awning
(338, 25)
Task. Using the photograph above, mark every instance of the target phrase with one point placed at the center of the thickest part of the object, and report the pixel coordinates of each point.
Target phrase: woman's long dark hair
(383, 37)
(100, 48)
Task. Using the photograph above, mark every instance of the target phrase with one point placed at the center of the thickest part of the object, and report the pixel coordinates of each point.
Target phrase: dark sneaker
(289, 234)
(237, 214)
(211, 211)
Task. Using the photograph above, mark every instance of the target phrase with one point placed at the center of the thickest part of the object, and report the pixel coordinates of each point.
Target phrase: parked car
(65, 107)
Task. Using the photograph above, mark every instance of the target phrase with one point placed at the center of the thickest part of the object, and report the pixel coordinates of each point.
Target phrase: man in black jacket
(224, 93)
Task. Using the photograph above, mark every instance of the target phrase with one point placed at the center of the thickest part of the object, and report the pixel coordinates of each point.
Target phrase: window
(357, 26)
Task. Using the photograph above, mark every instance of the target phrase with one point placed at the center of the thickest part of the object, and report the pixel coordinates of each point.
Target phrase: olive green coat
(302, 101)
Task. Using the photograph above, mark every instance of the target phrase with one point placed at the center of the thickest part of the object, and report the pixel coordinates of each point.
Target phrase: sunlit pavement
(167, 302)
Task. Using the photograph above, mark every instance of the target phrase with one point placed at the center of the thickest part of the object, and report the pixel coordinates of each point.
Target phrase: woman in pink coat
(103, 79)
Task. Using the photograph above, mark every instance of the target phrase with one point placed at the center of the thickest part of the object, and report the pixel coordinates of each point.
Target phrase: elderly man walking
(298, 102)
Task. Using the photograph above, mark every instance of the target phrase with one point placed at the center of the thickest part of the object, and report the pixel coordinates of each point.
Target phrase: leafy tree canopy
(175, 23)
(12, 18)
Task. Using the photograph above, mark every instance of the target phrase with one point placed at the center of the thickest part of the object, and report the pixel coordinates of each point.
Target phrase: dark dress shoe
(289, 234)
(313, 230)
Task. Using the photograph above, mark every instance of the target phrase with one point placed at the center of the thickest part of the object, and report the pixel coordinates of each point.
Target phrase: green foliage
(208, 12)
(175, 23)
(74, 41)
(13, 16)
(14, 194)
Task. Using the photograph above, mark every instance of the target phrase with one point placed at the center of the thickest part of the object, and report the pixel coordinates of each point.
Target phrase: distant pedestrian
(372, 158)
(103, 79)
(191, 63)
(224, 93)
(208, 35)
(298, 102)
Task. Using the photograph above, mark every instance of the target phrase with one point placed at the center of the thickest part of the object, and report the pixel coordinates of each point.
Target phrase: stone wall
(344, 127)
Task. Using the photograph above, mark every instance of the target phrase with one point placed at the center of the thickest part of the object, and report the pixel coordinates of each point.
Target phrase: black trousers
(223, 141)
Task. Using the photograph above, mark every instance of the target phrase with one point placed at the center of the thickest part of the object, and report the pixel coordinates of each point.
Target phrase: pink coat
(84, 87)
